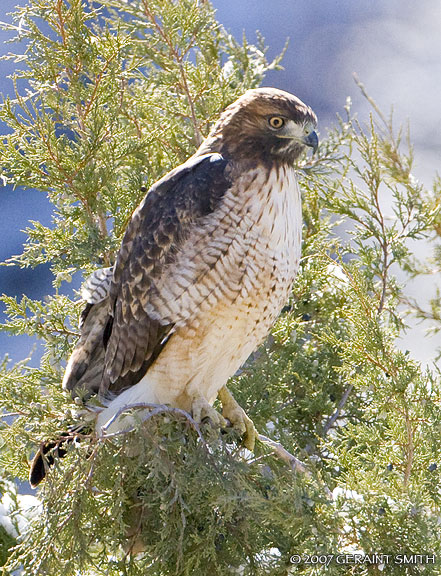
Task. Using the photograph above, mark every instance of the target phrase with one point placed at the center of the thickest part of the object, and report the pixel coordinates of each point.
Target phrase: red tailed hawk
(206, 264)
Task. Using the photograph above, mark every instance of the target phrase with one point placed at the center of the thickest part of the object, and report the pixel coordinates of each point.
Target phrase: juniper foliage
(111, 95)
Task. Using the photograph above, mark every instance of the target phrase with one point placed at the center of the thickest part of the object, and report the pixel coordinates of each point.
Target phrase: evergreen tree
(110, 96)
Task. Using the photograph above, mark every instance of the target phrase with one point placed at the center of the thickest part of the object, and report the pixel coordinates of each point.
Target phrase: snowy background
(393, 46)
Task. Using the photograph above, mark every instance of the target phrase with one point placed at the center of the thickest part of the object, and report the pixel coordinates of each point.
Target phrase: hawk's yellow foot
(202, 409)
(238, 418)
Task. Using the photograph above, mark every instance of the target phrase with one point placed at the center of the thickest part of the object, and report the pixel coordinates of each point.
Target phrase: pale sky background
(393, 46)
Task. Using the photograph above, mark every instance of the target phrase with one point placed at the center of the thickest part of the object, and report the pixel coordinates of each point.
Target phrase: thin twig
(197, 132)
(331, 421)
(58, 9)
(385, 250)
(410, 448)
(372, 102)
(174, 53)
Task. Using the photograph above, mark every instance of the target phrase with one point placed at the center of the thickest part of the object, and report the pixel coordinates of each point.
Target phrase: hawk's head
(266, 125)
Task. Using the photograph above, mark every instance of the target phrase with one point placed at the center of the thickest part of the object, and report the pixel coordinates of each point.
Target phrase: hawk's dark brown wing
(119, 339)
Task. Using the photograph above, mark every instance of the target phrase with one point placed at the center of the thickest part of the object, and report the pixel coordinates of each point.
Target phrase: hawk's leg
(238, 418)
(202, 409)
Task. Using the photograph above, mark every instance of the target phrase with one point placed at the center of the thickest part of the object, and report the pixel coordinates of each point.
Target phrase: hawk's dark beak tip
(312, 141)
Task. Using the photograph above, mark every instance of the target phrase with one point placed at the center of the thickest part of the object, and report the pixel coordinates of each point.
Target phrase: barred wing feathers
(96, 288)
(120, 339)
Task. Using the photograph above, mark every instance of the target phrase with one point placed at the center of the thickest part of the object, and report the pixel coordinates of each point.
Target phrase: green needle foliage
(110, 95)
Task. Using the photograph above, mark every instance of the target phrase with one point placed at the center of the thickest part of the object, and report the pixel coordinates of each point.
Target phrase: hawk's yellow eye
(276, 122)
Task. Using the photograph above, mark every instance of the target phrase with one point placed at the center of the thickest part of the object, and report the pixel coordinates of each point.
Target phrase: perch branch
(155, 409)
(280, 451)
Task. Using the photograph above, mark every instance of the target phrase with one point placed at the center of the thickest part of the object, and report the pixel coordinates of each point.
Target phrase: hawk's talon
(202, 410)
(238, 418)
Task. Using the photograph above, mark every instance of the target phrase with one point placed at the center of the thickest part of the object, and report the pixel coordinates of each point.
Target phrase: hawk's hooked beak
(312, 141)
